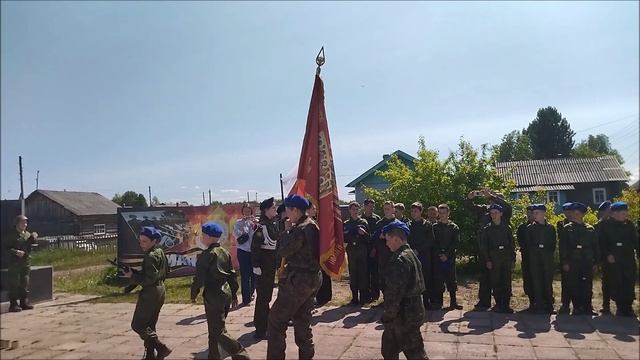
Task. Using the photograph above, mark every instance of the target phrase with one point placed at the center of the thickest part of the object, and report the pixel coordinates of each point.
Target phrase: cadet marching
(407, 262)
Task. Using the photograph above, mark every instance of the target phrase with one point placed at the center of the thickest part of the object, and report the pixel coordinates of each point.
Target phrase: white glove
(257, 271)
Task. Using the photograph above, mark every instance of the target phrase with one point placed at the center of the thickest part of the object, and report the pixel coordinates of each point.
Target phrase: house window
(99, 229)
(599, 195)
(553, 196)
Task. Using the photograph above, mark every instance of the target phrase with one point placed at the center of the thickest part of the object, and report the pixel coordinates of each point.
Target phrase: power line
(606, 123)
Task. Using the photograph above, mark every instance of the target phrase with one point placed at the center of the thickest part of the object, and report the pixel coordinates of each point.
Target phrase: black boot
(354, 298)
(453, 303)
(13, 307)
(149, 350)
(163, 350)
(24, 304)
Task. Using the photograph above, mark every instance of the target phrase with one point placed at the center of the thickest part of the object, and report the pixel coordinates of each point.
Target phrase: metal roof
(563, 171)
(401, 154)
(81, 203)
(543, 187)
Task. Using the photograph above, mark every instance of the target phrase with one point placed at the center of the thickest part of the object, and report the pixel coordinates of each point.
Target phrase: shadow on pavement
(193, 320)
(335, 314)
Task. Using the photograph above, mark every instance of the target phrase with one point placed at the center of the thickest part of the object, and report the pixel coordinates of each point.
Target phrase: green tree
(551, 135)
(436, 181)
(130, 198)
(515, 146)
(595, 146)
(632, 198)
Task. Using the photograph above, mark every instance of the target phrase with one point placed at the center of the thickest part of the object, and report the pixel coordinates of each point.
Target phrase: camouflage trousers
(295, 302)
(18, 279)
(216, 309)
(399, 337)
(145, 317)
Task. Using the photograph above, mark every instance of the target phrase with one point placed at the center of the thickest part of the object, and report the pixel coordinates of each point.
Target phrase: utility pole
(209, 196)
(203, 203)
(256, 196)
(21, 187)
(248, 197)
(150, 200)
(37, 178)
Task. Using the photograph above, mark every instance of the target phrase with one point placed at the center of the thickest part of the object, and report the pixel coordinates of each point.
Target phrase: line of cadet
(610, 244)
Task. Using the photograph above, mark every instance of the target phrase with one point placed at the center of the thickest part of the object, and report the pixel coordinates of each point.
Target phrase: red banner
(317, 182)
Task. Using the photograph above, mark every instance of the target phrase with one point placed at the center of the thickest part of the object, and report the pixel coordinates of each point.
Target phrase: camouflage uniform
(446, 237)
(215, 272)
(372, 262)
(498, 247)
(403, 308)
(357, 253)
(481, 212)
(579, 249)
(382, 251)
(151, 297)
(421, 241)
(19, 268)
(541, 245)
(263, 256)
(296, 290)
(621, 240)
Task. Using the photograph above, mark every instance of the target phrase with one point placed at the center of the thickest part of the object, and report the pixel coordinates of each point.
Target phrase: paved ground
(66, 329)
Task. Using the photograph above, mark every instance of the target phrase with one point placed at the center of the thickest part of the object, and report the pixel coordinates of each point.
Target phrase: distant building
(369, 179)
(587, 180)
(53, 213)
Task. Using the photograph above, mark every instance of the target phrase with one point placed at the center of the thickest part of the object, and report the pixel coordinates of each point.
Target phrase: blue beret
(579, 206)
(566, 206)
(296, 201)
(395, 224)
(151, 232)
(495, 207)
(212, 229)
(619, 206)
(604, 206)
(265, 204)
(538, 207)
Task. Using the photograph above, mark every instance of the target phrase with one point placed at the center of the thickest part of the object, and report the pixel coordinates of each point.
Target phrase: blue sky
(186, 97)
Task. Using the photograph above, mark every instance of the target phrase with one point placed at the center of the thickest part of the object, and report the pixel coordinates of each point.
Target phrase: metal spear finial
(320, 60)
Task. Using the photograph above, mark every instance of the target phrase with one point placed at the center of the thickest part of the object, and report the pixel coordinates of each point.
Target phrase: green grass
(97, 282)
(69, 259)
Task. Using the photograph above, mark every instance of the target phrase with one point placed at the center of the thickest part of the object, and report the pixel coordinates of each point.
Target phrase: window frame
(557, 196)
(104, 227)
(604, 195)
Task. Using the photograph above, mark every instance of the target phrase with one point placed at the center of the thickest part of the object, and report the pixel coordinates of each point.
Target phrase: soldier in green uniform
(382, 252)
(432, 214)
(621, 241)
(372, 263)
(521, 234)
(403, 308)
(356, 238)
(18, 247)
(565, 298)
(541, 245)
(604, 212)
(498, 248)
(579, 254)
(447, 236)
(215, 272)
(421, 241)
(399, 212)
(263, 259)
(481, 214)
(151, 297)
(298, 284)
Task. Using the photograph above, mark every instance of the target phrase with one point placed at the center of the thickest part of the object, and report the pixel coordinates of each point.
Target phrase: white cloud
(229, 191)
(197, 187)
(183, 187)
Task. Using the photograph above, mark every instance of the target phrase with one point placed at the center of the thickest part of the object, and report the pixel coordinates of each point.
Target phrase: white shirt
(241, 227)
